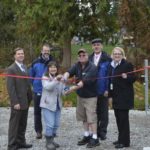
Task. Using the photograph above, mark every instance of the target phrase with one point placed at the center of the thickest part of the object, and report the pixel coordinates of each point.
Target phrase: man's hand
(106, 93)
(74, 88)
(71, 89)
(17, 106)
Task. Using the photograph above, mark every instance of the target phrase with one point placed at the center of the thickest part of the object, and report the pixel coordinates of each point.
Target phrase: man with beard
(39, 66)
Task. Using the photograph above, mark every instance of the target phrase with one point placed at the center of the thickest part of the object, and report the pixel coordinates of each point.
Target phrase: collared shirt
(97, 58)
(115, 64)
(20, 66)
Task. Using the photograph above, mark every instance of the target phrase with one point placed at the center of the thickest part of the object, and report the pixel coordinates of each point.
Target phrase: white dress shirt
(115, 64)
(97, 58)
(20, 65)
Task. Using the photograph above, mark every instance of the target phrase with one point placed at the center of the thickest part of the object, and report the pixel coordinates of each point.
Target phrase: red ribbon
(72, 80)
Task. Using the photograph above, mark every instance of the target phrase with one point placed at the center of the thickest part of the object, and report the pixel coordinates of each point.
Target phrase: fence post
(146, 84)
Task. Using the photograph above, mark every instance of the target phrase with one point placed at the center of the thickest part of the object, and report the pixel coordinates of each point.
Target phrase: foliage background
(70, 100)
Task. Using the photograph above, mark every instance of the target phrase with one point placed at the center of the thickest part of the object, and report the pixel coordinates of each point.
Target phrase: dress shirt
(21, 66)
(97, 58)
(115, 64)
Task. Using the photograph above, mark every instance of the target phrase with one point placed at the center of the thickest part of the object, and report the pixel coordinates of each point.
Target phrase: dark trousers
(122, 120)
(102, 115)
(37, 113)
(17, 128)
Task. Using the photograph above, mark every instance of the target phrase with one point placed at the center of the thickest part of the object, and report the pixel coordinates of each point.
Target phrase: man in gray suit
(20, 95)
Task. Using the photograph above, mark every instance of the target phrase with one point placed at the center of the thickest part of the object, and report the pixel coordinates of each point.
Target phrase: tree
(7, 31)
(135, 19)
(50, 21)
(10, 38)
(58, 21)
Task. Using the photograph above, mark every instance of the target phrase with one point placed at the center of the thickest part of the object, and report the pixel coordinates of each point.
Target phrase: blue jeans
(52, 121)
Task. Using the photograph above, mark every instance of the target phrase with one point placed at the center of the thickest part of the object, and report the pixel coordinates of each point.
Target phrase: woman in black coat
(122, 92)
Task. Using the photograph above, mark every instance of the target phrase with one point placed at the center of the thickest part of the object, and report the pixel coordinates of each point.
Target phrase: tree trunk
(66, 62)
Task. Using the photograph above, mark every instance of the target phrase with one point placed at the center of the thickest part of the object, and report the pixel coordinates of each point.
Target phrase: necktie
(23, 68)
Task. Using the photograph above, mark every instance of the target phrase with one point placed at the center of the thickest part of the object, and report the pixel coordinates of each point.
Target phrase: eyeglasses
(117, 54)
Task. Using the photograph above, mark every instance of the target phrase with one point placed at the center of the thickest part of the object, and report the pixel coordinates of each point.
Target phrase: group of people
(97, 77)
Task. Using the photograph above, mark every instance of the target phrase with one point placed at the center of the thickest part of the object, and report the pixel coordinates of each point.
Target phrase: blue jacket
(38, 68)
(102, 83)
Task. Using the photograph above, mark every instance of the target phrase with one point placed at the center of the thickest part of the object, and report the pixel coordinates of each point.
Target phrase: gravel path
(71, 130)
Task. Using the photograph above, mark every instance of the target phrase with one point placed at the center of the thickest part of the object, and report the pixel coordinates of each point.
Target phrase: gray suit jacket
(18, 88)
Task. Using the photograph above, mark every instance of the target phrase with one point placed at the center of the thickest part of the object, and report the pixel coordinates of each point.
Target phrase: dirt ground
(71, 130)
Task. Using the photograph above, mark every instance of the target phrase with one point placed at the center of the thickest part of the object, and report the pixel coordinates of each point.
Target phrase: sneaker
(84, 140)
(93, 143)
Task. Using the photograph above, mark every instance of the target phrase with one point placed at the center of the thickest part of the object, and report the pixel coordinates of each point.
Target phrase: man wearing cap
(85, 73)
(101, 60)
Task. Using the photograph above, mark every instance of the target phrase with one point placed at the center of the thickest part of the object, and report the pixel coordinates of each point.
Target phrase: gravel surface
(71, 130)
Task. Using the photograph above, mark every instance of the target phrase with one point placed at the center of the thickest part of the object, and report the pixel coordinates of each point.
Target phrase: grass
(71, 100)
(88, 47)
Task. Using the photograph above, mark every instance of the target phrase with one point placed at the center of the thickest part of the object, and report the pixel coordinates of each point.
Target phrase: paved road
(71, 131)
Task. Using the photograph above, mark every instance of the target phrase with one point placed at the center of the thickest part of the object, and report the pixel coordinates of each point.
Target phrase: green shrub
(71, 97)
(139, 104)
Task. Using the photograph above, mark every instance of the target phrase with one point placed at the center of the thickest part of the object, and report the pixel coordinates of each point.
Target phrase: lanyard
(111, 79)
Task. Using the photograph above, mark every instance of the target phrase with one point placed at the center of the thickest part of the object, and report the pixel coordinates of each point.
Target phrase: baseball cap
(82, 50)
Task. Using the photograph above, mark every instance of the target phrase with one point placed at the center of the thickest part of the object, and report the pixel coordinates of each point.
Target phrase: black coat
(122, 92)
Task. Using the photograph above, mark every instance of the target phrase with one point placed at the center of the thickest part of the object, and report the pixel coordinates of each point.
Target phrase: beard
(45, 56)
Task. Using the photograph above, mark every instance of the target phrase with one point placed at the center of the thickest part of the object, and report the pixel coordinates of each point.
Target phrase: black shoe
(93, 143)
(116, 142)
(38, 135)
(56, 144)
(24, 145)
(103, 137)
(84, 140)
(121, 146)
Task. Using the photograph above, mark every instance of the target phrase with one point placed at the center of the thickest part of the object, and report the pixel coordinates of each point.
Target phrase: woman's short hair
(121, 50)
(52, 63)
